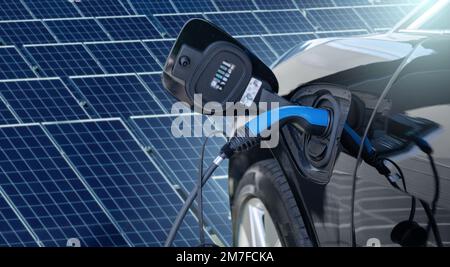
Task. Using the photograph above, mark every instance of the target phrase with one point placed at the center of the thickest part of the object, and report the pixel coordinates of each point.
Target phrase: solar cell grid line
(47, 192)
(154, 83)
(129, 27)
(279, 4)
(25, 32)
(381, 17)
(145, 7)
(6, 116)
(160, 49)
(123, 56)
(51, 9)
(13, 65)
(120, 95)
(172, 24)
(237, 23)
(179, 158)
(41, 99)
(187, 6)
(13, 10)
(77, 30)
(314, 3)
(281, 43)
(98, 8)
(257, 46)
(63, 59)
(235, 5)
(353, 2)
(284, 21)
(125, 179)
(334, 19)
(13, 232)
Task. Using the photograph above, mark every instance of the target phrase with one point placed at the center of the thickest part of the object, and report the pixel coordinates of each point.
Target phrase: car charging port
(315, 155)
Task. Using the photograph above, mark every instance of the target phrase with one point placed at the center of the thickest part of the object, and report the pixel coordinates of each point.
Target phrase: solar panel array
(87, 150)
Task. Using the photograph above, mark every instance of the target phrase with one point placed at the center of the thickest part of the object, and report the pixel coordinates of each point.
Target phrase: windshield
(431, 16)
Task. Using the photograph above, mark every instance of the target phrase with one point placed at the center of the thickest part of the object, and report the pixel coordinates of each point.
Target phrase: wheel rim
(255, 226)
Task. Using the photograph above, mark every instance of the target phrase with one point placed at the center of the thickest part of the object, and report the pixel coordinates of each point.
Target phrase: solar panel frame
(129, 27)
(314, 3)
(41, 99)
(125, 179)
(188, 6)
(13, 65)
(235, 5)
(48, 193)
(380, 17)
(160, 49)
(63, 59)
(116, 95)
(237, 23)
(279, 4)
(289, 21)
(257, 45)
(77, 30)
(98, 8)
(179, 157)
(52, 9)
(145, 7)
(13, 233)
(173, 23)
(14, 10)
(154, 83)
(333, 19)
(25, 32)
(124, 56)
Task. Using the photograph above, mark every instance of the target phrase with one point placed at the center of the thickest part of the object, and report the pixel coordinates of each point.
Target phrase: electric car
(400, 103)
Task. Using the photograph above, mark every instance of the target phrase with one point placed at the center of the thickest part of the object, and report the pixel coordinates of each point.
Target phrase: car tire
(265, 182)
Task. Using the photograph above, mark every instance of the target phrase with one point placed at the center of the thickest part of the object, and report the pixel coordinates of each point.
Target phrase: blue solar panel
(257, 46)
(77, 30)
(47, 192)
(125, 180)
(37, 100)
(115, 96)
(98, 8)
(13, 10)
(282, 43)
(353, 2)
(52, 9)
(180, 159)
(6, 117)
(145, 7)
(63, 60)
(129, 28)
(382, 17)
(25, 32)
(185, 6)
(173, 23)
(335, 19)
(160, 49)
(314, 3)
(12, 231)
(124, 57)
(284, 21)
(237, 23)
(154, 83)
(235, 5)
(279, 4)
(13, 65)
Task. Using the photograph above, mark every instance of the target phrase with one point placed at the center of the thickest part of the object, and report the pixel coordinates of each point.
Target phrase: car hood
(323, 57)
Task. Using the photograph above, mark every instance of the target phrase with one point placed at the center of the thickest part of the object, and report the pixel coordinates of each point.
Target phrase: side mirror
(206, 60)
